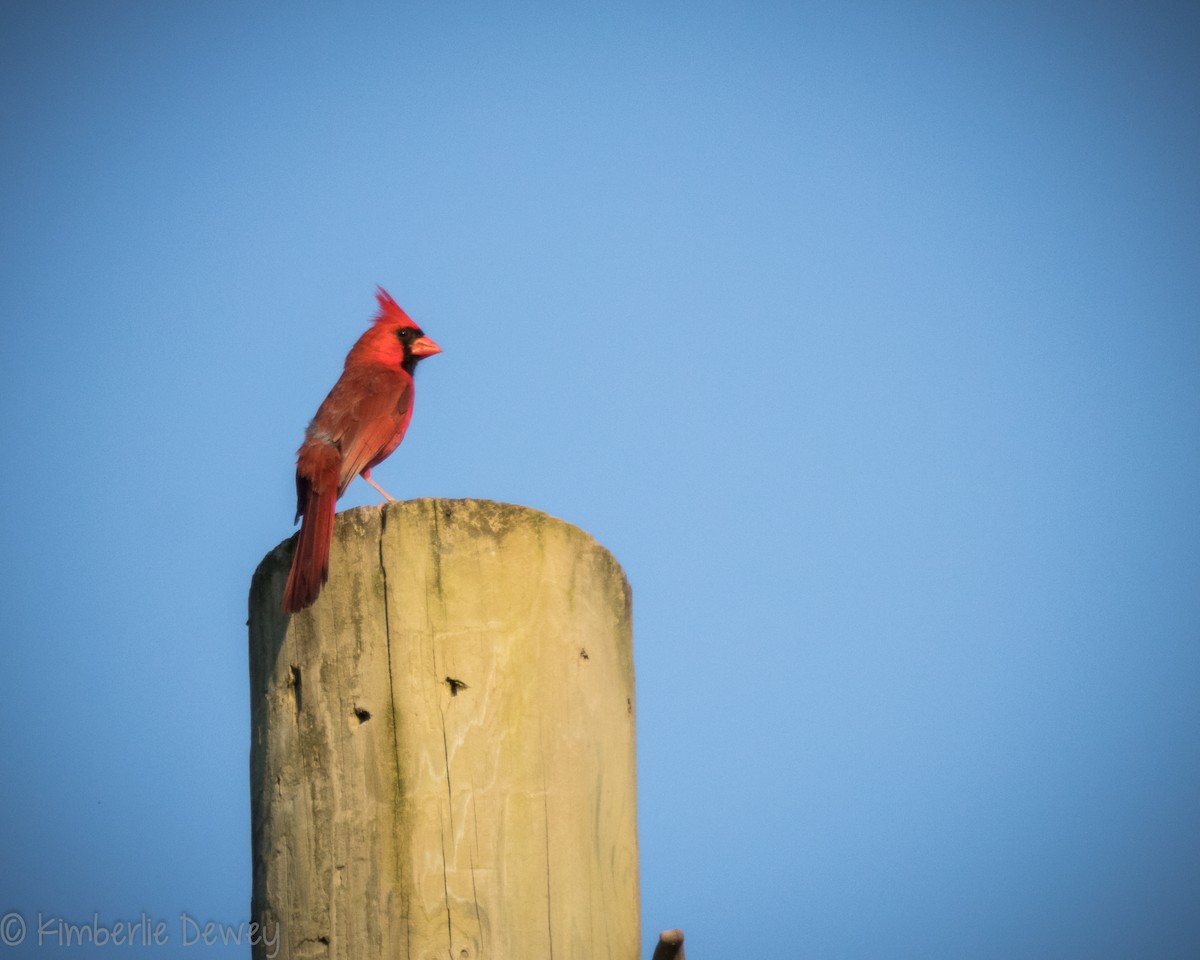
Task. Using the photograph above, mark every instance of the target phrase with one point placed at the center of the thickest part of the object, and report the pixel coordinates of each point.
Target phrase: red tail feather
(317, 501)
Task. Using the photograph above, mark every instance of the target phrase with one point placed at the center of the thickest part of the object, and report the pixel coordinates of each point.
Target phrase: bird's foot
(366, 475)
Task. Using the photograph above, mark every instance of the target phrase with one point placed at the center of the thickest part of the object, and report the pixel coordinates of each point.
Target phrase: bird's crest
(390, 311)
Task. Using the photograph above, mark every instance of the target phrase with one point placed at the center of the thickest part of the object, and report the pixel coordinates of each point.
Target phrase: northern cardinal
(356, 427)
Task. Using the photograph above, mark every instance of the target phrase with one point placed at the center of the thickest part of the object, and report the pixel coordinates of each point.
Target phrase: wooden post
(442, 753)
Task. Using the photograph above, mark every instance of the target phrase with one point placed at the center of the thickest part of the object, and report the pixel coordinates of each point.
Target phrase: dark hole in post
(296, 695)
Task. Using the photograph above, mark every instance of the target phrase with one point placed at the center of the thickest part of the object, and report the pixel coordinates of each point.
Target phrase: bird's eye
(404, 333)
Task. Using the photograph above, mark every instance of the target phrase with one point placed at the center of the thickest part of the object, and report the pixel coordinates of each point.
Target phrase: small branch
(670, 945)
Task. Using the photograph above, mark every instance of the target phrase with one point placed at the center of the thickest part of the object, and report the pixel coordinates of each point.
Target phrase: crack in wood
(445, 867)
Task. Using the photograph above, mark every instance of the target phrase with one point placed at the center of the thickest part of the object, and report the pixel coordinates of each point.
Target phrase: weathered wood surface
(442, 755)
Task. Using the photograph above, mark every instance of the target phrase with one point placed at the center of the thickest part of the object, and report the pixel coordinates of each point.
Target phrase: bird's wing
(365, 415)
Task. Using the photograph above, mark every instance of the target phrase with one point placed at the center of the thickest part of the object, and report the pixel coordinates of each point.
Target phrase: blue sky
(866, 336)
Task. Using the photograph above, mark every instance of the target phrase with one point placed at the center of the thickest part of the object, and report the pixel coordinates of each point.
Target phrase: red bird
(357, 426)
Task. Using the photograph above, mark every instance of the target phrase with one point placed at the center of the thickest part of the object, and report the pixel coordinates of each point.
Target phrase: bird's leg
(366, 475)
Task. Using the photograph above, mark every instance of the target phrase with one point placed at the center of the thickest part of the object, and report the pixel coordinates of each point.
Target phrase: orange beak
(425, 347)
